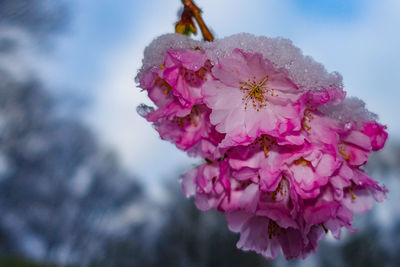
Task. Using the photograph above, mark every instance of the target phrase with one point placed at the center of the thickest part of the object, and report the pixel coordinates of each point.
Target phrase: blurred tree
(62, 196)
(189, 237)
(58, 190)
(39, 17)
(363, 248)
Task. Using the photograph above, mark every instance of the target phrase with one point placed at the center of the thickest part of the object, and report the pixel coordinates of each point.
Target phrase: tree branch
(207, 36)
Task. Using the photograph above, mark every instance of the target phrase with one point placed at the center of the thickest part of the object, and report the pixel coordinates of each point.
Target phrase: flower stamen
(302, 161)
(353, 197)
(279, 190)
(266, 143)
(256, 92)
(307, 118)
(341, 149)
(163, 84)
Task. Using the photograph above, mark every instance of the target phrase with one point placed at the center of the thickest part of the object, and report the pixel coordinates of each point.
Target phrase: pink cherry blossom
(250, 97)
(282, 151)
(264, 236)
(208, 184)
(311, 170)
(376, 133)
(185, 71)
(187, 132)
(175, 88)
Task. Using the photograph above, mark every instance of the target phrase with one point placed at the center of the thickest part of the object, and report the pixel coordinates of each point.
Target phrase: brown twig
(207, 36)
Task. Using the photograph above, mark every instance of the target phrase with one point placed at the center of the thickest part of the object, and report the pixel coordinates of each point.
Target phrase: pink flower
(250, 97)
(185, 71)
(175, 86)
(326, 212)
(159, 92)
(282, 159)
(207, 185)
(362, 180)
(376, 133)
(311, 169)
(187, 132)
(320, 129)
(211, 186)
(280, 205)
(265, 236)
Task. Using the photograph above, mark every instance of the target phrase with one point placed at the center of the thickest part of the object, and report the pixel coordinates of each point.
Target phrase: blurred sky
(97, 59)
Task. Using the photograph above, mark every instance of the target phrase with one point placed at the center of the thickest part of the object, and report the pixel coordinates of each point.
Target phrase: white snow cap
(303, 70)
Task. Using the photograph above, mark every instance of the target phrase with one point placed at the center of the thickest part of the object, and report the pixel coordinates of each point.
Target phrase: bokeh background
(85, 181)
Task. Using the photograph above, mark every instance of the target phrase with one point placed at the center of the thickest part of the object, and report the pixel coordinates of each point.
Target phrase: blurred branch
(186, 26)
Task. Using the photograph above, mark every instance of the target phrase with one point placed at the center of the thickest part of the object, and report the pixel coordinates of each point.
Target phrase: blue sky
(99, 55)
(331, 9)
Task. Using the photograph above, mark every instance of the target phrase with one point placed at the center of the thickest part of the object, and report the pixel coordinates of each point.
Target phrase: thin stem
(207, 36)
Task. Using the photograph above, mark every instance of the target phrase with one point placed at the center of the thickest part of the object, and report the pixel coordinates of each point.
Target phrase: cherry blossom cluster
(282, 159)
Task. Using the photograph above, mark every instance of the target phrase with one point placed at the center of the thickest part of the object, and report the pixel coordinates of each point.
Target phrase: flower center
(256, 92)
(265, 142)
(342, 151)
(280, 190)
(302, 161)
(195, 78)
(307, 118)
(353, 197)
(163, 85)
(192, 118)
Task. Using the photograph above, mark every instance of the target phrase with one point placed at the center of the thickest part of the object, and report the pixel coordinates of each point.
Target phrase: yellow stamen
(266, 143)
(308, 117)
(353, 197)
(162, 83)
(341, 147)
(200, 73)
(265, 150)
(302, 161)
(305, 124)
(344, 155)
(256, 92)
(279, 190)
